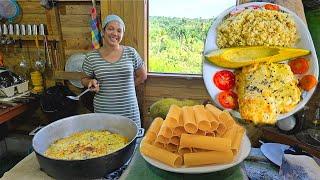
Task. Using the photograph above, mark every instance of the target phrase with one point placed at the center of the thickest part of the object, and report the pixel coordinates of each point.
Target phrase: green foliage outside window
(176, 44)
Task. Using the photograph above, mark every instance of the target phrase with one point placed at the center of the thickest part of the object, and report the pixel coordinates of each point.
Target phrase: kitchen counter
(255, 166)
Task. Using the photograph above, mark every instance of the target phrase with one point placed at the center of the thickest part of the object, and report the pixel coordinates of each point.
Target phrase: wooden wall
(68, 23)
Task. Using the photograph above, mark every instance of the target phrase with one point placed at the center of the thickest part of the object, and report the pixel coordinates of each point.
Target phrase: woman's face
(113, 33)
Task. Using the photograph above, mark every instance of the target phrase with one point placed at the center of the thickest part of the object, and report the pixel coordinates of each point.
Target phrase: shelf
(32, 37)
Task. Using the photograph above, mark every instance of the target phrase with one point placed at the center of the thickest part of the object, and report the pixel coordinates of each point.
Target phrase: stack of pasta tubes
(193, 136)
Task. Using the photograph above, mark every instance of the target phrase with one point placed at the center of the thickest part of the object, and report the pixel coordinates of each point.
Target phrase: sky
(189, 8)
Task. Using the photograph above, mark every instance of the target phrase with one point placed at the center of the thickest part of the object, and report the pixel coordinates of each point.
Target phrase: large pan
(89, 168)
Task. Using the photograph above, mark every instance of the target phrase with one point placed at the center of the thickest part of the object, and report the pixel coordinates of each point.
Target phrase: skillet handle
(140, 133)
(34, 132)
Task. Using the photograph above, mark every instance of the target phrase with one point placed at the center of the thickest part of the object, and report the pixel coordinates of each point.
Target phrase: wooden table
(11, 112)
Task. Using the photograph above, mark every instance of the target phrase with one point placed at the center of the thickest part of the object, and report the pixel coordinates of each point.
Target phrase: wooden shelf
(32, 37)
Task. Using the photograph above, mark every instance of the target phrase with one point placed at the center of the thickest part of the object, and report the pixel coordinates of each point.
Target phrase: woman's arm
(90, 83)
(140, 75)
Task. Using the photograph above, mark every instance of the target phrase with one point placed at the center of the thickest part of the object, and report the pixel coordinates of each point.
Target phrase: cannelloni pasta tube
(174, 140)
(153, 130)
(172, 147)
(162, 155)
(173, 116)
(201, 118)
(235, 146)
(205, 142)
(165, 130)
(177, 131)
(214, 110)
(209, 157)
(190, 124)
(213, 121)
(221, 129)
(231, 133)
(162, 139)
(200, 132)
(226, 118)
(183, 150)
(159, 144)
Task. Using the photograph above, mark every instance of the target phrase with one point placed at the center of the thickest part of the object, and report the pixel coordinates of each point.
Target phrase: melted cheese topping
(266, 90)
(86, 144)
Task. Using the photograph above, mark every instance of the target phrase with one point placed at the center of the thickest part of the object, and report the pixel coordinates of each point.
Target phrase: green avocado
(243, 56)
(161, 107)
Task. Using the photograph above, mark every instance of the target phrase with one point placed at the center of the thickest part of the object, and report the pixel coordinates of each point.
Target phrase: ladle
(76, 98)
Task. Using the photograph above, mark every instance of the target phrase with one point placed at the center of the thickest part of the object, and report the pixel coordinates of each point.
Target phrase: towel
(95, 32)
(297, 164)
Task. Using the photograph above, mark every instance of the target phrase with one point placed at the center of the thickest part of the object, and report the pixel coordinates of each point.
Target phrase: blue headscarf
(113, 17)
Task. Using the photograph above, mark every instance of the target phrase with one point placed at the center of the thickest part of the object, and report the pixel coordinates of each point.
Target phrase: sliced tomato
(228, 99)
(307, 82)
(299, 65)
(271, 7)
(224, 79)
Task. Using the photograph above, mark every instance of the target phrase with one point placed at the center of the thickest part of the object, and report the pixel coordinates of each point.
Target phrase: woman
(113, 71)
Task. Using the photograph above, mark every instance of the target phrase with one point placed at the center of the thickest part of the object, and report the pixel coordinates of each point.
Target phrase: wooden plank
(79, 43)
(104, 8)
(68, 75)
(31, 7)
(176, 92)
(75, 21)
(76, 9)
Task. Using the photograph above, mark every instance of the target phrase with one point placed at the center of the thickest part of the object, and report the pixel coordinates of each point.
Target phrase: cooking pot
(88, 168)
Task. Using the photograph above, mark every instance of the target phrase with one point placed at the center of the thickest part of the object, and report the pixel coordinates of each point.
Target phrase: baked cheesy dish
(265, 91)
(85, 145)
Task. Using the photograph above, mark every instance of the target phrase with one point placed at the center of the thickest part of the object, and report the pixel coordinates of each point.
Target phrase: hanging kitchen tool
(74, 64)
(9, 9)
(42, 32)
(39, 63)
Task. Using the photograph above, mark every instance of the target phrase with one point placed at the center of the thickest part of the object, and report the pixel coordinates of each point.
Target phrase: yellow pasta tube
(174, 140)
(153, 130)
(235, 146)
(162, 155)
(214, 110)
(231, 133)
(172, 147)
(201, 118)
(182, 150)
(221, 129)
(159, 144)
(211, 133)
(177, 131)
(205, 142)
(200, 132)
(165, 130)
(189, 120)
(209, 157)
(162, 139)
(213, 121)
(226, 118)
(173, 116)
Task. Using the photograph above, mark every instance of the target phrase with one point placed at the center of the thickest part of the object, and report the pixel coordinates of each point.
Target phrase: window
(177, 32)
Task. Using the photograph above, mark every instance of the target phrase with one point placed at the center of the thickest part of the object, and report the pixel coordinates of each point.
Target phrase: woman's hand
(93, 85)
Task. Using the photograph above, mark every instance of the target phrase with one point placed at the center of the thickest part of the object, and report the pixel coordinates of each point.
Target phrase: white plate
(274, 152)
(244, 152)
(305, 42)
(74, 64)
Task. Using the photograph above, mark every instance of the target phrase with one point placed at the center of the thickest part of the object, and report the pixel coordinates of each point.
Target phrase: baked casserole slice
(266, 90)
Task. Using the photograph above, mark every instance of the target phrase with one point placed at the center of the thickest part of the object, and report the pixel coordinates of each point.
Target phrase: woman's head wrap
(113, 17)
